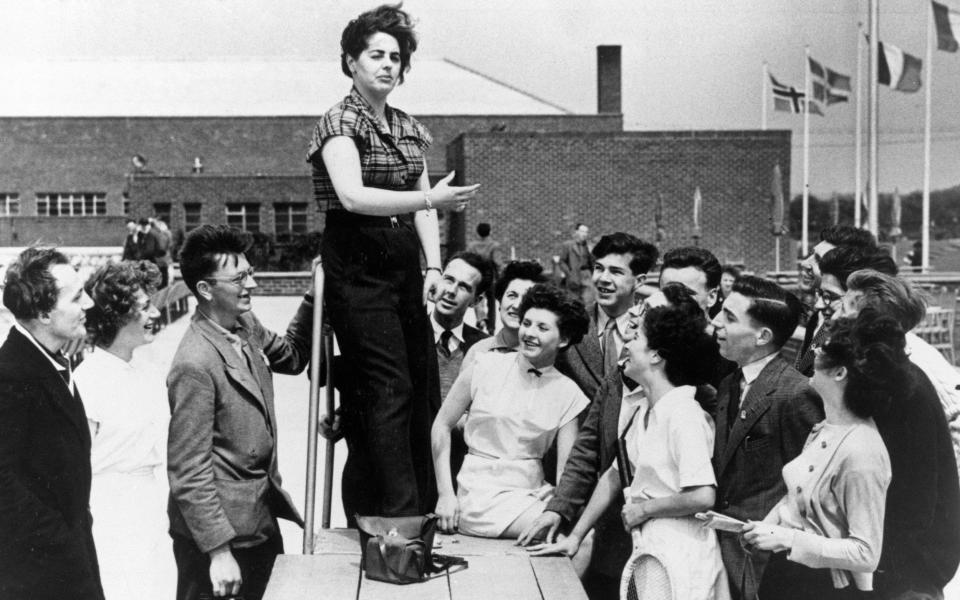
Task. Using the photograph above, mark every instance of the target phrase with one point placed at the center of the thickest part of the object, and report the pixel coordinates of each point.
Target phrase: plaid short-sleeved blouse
(391, 160)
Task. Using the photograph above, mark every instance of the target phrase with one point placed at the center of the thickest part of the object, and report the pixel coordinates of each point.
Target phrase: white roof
(256, 87)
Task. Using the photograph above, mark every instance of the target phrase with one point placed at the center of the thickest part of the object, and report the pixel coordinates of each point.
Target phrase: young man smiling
(620, 265)
(765, 410)
(225, 488)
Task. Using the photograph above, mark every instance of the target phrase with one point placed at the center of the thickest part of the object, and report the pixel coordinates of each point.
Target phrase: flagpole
(763, 97)
(873, 109)
(806, 152)
(925, 220)
(858, 135)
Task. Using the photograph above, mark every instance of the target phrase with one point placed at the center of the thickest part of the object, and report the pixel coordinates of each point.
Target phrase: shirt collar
(525, 367)
(602, 318)
(368, 112)
(235, 338)
(500, 342)
(752, 370)
(438, 330)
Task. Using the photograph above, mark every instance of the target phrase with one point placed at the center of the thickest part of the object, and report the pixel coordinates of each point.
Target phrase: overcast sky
(686, 65)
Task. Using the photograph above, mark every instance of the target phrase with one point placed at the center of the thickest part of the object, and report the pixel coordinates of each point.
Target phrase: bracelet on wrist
(426, 200)
(437, 269)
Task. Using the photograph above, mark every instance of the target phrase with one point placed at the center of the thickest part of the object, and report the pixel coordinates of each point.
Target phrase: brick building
(67, 174)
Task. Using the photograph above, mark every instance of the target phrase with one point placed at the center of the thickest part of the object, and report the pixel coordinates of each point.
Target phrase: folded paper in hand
(715, 520)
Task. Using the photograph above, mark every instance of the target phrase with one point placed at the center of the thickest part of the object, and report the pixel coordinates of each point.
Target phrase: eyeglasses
(238, 280)
(829, 298)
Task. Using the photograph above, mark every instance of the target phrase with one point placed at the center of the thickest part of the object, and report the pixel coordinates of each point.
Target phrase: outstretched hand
(444, 195)
(567, 546)
(548, 521)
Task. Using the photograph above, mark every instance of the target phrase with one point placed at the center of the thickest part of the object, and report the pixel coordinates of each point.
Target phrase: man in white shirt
(765, 410)
(46, 548)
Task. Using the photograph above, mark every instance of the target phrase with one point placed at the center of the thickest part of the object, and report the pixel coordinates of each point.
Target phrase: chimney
(608, 80)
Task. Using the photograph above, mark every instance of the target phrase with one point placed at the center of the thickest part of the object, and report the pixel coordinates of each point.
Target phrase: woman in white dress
(669, 443)
(128, 414)
(519, 405)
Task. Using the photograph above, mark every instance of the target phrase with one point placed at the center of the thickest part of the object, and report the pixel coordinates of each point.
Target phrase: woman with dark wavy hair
(832, 516)
(127, 412)
(669, 443)
(371, 179)
(518, 405)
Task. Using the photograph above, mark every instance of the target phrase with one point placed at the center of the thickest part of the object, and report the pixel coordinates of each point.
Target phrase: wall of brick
(282, 284)
(62, 231)
(536, 186)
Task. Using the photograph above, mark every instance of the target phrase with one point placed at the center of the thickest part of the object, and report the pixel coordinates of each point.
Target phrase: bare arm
(343, 165)
(456, 403)
(428, 230)
(566, 438)
(687, 502)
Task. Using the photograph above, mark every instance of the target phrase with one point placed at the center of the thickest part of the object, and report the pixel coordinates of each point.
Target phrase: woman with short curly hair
(127, 412)
(669, 444)
(519, 404)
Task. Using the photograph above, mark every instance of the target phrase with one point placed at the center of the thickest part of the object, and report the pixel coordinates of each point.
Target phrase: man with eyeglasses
(809, 271)
(225, 488)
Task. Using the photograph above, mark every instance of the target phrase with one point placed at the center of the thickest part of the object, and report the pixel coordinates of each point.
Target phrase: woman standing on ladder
(370, 176)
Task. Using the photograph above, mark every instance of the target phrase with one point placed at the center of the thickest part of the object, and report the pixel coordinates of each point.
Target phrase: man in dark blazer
(593, 453)
(765, 410)
(225, 488)
(46, 542)
(130, 250)
(148, 243)
(620, 265)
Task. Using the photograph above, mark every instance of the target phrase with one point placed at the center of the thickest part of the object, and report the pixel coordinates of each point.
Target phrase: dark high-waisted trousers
(373, 292)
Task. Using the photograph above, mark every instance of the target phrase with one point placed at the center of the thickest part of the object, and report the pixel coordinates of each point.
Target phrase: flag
(829, 86)
(787, 98)
(948, 25)
(899, 70)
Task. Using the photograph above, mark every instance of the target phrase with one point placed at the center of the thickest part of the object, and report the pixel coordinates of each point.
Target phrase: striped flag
(899, 70)
(787, 98)
(948, 26)
(829, 86)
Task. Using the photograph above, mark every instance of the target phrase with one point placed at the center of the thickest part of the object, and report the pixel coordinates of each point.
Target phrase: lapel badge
(743, 415)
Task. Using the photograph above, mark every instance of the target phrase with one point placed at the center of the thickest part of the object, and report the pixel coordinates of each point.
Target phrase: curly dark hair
(113, 288)
(844, 260)
(529, 270)
(845, 235)
(678, 334)
(29, 289)
(386, 18)
(872, 348)
(203, 249)
(572, 319)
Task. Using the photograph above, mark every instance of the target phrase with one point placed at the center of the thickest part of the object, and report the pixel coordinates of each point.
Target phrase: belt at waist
(347, 218)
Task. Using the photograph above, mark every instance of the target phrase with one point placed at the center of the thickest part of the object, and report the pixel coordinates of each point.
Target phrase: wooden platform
(497, 569)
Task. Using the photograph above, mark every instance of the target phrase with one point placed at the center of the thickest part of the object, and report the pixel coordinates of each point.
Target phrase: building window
(191, 215)
(71, 205)
(161, 210)
(9, 205)
(291, 219)
(244, 216)
(126, 206)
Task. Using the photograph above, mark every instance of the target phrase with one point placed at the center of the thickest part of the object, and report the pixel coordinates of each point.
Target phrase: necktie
(536, 372)
(610, 347)
(805, 362)
(444, 344)
(733, 405)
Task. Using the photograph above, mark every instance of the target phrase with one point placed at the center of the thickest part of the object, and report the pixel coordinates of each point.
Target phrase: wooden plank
(336, 541)
(436, 588)
(465, 545)
(305, 577)
(500, 577)
(556, 578)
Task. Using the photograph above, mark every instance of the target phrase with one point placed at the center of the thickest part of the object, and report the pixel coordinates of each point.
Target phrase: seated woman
(669, 441)
(519, 404)
(127, 411)
(832, 516)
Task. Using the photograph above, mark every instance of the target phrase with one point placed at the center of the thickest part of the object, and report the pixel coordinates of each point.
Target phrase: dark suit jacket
(130, 247)
(222, 452)
(593, 453)
(583, 362)
(771, 427)
(921, 533)
(148, 246)
(46, 543)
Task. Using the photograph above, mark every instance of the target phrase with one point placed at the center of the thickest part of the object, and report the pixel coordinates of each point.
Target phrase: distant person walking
(164, 242)
(576, 264)
(130, 250)
(489, 249)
